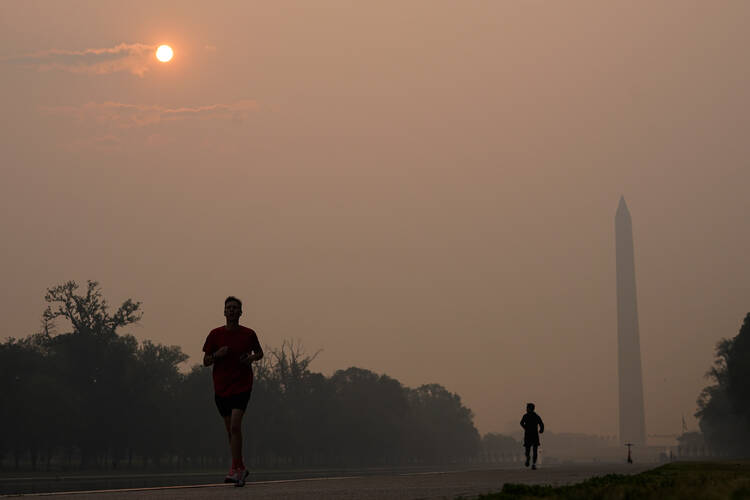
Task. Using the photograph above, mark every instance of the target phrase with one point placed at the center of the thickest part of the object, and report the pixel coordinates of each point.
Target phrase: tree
(370, 413)
(500, 448)
(87, 313)
(443, 428)
(724, 407)
(94, 362)
(27, 390)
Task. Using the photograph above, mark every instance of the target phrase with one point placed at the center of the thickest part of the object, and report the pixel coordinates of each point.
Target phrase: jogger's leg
(235, 437)
(231, 476)
(228, 425)
(536, 448)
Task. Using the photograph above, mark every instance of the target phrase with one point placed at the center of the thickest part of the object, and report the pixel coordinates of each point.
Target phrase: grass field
(681, 480)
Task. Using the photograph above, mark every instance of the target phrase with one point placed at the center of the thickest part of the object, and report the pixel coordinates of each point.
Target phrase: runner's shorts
(232, 402)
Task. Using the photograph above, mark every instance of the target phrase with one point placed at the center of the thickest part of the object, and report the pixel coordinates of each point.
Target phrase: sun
(164, 53)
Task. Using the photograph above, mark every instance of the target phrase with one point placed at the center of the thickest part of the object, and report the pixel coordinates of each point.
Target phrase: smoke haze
(426, 189)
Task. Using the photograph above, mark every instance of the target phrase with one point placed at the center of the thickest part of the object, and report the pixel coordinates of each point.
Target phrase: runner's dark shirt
(232, 376)
(532, 424)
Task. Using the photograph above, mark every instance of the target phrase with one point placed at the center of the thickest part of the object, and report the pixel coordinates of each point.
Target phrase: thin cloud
(127, 116)
(135, 58)
(98, 143)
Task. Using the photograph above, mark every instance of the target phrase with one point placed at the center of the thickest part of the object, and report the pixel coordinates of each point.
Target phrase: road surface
(408, 486)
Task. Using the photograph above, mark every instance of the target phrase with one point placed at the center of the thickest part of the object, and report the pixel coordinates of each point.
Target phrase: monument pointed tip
(622, 206)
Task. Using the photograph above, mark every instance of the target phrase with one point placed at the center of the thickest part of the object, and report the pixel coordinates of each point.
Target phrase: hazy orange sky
(424, 189)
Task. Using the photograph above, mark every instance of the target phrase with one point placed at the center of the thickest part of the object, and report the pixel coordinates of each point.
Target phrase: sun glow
(164, 53)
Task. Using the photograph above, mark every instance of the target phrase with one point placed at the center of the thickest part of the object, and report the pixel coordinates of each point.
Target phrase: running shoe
(241, 477)
(231, 477)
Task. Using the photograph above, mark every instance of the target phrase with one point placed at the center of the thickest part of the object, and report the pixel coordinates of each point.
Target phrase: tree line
(96, 398)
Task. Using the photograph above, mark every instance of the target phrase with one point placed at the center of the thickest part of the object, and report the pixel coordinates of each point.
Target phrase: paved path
(427, 485)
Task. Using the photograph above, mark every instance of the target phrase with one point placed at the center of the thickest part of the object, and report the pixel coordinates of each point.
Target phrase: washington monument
(632, 417)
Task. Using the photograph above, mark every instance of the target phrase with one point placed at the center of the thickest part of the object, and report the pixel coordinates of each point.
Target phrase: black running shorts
(229, 403)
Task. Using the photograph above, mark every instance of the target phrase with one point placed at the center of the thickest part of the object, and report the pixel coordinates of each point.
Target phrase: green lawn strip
(682, 480)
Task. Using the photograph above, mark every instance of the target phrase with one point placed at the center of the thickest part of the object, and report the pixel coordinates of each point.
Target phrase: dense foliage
(675, 481)
(95, 398)
(724, 408)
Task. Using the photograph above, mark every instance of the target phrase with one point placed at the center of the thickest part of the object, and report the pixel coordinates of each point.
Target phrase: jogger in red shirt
(232, 349)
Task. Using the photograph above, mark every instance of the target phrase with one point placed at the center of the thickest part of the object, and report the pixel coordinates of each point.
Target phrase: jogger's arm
(254, 355)
(209, 359)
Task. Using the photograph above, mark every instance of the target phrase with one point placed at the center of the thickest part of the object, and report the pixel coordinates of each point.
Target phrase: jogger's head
(530, 407)
(232, 308)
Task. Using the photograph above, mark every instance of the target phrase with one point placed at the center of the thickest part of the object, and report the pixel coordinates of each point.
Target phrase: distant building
(691, 444)
(632, 415)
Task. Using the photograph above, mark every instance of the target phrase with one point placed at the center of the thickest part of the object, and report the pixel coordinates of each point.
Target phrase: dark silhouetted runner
(232, 349)
(532, 426)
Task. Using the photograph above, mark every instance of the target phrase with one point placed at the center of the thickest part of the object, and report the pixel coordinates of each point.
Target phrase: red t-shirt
(232, 376)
